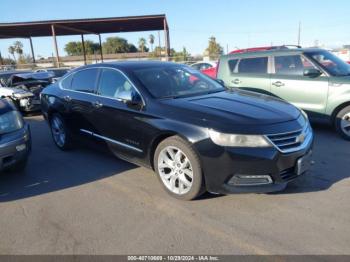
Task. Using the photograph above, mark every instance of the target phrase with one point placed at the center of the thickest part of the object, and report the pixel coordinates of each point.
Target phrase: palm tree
(18, 47)
(151, 41)
(142, 44)
(12, 51)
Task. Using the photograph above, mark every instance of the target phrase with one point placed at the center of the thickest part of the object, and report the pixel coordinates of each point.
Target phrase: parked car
(24, 88)
(312, 79)
(207, 68)
(15, 143)
(182, 124)
(57, 72)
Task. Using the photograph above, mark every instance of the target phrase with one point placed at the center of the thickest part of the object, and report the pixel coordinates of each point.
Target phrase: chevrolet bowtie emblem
(301, 138)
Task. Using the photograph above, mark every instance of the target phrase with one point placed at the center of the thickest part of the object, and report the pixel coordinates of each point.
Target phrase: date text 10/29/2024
(173, 258)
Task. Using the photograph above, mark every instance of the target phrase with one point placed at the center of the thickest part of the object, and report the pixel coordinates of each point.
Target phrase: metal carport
(82, 27)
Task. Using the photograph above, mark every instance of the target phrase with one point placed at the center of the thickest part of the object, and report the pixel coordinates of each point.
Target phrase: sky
(234, 23)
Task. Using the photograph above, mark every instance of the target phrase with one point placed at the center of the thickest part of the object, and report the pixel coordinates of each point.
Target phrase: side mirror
(131, 98)
(221, 82)
(312, 72)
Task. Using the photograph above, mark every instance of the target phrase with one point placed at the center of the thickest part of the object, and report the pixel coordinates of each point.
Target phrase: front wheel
(179, 169)
(342, 122)
(60, 133)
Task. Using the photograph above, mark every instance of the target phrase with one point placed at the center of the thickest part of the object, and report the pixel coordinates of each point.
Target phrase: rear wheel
(60, 133)
(342, 122)
(179, 169)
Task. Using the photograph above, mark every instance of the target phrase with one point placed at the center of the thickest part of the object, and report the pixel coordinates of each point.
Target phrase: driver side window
(114, 84)
(291, 65)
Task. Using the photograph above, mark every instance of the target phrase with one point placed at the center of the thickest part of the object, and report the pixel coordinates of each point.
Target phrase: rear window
(232, 65)
(257, 65)
(66, 82)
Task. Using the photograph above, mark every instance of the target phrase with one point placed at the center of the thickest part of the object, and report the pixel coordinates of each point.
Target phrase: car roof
(132, 65)
(11, 72)
(6, 106)
(272, 52)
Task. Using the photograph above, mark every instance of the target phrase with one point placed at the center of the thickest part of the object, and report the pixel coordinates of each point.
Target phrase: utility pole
(299, 33)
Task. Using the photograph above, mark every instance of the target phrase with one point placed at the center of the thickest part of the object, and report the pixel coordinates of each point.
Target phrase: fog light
(250, 180)
(21, 147)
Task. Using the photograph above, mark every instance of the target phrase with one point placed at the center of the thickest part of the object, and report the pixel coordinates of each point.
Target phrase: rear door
(79, 99)
(250, 74)
(289, 83)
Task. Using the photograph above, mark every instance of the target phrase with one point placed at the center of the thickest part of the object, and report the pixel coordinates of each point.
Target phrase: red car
(208, 68)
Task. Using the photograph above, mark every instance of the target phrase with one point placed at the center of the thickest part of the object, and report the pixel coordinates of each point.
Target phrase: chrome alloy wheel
(175, 170)
(345, 124)
(58, 131)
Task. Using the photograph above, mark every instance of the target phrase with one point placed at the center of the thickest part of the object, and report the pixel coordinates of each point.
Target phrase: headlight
(10, 121)
(234, 140)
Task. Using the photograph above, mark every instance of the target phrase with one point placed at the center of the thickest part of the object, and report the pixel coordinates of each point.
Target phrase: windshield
(331, 63)
(176, 81)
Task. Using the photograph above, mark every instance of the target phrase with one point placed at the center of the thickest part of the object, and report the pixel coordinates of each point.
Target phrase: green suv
(312, 79)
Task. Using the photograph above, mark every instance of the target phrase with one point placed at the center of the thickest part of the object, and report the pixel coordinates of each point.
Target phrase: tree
(151, 41)
(114, 45)
(76, 48)
(12, 51)
(214, 49)
(142, 44)
(18, 47)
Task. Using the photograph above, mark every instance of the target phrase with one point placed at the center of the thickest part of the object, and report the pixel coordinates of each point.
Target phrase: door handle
(278, 84)
(97, 104)
(67, 98)
(236, 81)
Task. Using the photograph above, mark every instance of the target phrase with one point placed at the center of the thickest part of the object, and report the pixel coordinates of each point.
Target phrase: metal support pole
(32, 49)
(83, 44)
(99, 38)
(166, 40)
(55, 45)
(1, 61)
(159, 45)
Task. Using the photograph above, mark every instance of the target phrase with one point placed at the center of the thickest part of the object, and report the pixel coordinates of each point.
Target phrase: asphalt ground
(86, 201)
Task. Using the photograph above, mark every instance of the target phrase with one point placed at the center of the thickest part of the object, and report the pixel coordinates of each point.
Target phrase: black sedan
(15, 139)
(193, 132)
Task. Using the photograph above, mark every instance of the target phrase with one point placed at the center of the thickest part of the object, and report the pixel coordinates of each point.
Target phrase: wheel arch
(161, 137)
(337, 110)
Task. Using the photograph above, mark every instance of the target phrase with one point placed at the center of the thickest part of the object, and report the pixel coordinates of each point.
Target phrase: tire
(175, 161)
(61, 134)
(342, 123)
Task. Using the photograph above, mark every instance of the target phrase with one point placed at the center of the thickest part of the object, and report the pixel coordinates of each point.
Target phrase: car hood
(235, 107)
(12, 91)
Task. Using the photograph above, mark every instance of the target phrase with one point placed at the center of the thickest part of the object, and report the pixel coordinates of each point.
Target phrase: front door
(289, 83)
(122, 125)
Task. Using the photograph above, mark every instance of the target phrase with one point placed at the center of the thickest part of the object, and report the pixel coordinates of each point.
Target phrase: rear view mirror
(312, 72)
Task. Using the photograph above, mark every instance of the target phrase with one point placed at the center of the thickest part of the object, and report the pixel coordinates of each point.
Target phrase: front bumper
(223, 166)
(15, 147)
(29, 104)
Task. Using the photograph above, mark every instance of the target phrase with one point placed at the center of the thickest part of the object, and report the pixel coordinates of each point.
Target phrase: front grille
(291, 141)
